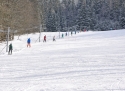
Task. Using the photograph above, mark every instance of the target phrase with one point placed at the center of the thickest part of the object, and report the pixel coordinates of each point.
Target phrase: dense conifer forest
(54, 15)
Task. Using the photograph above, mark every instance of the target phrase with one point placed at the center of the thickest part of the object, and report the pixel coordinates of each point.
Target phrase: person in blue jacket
(28, 42)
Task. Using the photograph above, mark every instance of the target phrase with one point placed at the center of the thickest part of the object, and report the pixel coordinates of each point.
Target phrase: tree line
(62, 15)
(93, 15)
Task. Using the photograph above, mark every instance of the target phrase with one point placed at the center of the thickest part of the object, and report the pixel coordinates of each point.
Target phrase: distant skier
(44, 40)
(62, 35)
(84, 30)
(10, 49)
(66, 33)
(71, 33)
(54, 38)
(75, 32)
(28, 42)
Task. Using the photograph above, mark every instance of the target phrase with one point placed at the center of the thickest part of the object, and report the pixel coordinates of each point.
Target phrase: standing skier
(28, 42)
(62, 35)
(44, 40)
(66, 33)
(75, 32)
(54, 38)
(10, 48)
(71, 33)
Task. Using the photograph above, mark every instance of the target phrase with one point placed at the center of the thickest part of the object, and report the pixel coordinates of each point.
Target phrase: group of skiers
(67, 34)
(29, 42)
(44, 39)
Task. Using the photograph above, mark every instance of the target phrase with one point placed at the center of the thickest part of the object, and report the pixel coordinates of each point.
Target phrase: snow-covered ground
(87, 61)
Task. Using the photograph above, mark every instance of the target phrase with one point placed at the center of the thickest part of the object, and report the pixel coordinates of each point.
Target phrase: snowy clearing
(87, 61)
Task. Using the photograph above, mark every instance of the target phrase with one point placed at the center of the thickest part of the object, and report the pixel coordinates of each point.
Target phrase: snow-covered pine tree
(85, 16)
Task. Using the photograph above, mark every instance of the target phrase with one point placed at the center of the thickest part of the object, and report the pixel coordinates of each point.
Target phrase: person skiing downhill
(10, 49)
(28, 42)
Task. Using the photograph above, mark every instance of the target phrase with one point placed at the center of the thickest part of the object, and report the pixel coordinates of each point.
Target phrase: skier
(71, 33)
(28, 42)
(66, 33)
(62, 35)
(75, 32)
(44, 40)
(84, 30)
(10, 48)
(54, 38)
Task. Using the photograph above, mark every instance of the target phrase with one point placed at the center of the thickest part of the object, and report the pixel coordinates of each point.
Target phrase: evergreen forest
(25, 16)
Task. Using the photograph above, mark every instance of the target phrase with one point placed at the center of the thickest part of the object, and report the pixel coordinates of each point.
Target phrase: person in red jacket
(44, 40)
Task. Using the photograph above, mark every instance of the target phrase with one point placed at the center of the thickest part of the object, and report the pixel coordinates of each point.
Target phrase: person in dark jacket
(66, 33)
(54, 38)
(10, 48)
(28, 42)
(62, 35)
(71, 33)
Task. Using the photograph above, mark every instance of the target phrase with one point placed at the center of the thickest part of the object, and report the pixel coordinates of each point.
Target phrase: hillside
(87, 61)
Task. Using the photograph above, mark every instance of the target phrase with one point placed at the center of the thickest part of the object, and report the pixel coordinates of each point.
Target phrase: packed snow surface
(87, 61)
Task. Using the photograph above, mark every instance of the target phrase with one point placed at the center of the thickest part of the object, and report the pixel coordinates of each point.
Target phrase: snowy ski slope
(87, 61)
